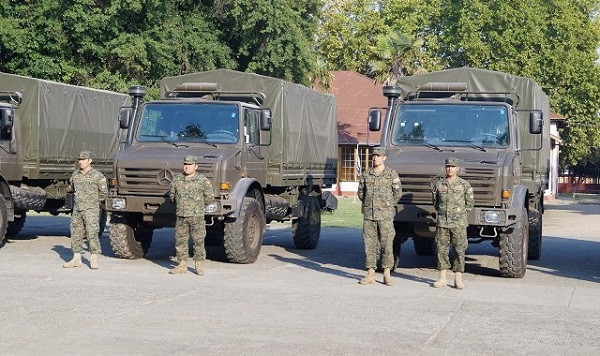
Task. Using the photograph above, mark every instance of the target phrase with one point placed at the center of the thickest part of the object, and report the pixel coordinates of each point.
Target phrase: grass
(347, 214)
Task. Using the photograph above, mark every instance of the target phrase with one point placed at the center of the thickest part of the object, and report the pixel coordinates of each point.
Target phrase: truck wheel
(3, 219)
(128, 241)
(424, 246)
(306, 230)
(242, 238)
(513, 248)
(16, 226)
(535, 235)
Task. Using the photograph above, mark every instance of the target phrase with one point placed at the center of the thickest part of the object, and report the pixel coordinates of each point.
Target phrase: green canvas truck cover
(304, 132)
(531, 97)
(56, 121)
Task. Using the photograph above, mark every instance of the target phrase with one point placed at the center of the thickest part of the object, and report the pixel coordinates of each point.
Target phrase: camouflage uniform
(90, 190)
(379, 194)
(191, 195)
(452, 200)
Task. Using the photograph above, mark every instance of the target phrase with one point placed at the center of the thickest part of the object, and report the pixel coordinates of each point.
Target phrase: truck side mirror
(125, 117)
(265, 120)
(7, 116)
(536, 122)
(374, 120)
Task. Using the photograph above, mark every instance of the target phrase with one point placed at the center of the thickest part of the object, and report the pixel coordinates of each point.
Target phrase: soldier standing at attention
(90, 189)
(190, 192)
(453, 199)
(379, 190)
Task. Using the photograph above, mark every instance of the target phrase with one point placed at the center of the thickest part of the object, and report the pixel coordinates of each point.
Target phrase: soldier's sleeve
(361, 186)
(173, 190)
(102, 187)
(469, 197)
(208, 191)
(434, 194)
(396, 186)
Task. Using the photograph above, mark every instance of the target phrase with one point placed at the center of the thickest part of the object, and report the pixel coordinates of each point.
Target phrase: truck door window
(194, 122)
(251, 128)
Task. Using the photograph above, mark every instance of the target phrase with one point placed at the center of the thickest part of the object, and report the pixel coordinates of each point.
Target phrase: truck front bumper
(479, 216)
(152, 205)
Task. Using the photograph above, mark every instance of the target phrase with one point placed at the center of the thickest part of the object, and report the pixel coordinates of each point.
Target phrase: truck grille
(416, 188)
(153, 181)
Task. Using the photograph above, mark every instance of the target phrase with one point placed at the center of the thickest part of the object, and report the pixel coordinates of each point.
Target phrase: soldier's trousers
(184, 227)
(85, 224)
(379, 234)
(458, 237)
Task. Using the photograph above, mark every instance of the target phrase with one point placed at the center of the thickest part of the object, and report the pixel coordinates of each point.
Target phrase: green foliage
(348, 214)
(272, 37)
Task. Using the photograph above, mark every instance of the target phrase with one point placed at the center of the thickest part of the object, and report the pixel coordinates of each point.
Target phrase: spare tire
(28, 198)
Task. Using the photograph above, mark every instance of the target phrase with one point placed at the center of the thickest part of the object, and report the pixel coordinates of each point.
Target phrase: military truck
(497, 125)
(268, 147)
(43, 126)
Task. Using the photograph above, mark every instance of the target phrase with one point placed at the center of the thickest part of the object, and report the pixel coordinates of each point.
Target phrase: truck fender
(240, 191)
(518, 200)
(6, 194)
(518, 197)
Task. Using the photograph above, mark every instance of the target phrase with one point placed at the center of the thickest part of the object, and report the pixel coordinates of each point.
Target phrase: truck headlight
(118, 203)
(492, 216)
(211, 208)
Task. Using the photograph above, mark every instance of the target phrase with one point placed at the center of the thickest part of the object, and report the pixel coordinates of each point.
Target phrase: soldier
(453, 199)
(90, 189)
(379, 190)
(191, 192)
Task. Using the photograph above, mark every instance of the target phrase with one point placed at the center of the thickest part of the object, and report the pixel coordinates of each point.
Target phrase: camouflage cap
(380, 151)
(85, 155)
(190, 160)
(451, 161)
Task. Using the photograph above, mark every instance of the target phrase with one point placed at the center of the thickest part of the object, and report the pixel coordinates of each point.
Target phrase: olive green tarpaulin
(55, 121)
(304, 132)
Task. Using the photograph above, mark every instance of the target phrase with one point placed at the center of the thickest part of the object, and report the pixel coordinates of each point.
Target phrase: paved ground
(301, 302)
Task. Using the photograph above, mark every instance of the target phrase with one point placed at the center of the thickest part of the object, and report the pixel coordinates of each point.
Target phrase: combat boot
(94, 261)
(199, 269)
(458, 282)
(387, 279)
(180, 269)
(442, 280)
(75, 261)
(369, 278)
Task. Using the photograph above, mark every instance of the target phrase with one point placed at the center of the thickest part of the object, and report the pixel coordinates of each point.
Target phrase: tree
(396, 56)
(271, 37)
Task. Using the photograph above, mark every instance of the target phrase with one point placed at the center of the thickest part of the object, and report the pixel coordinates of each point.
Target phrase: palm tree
(320, 77)
(396, 55)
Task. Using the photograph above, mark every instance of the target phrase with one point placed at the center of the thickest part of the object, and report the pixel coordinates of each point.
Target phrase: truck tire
(513, 248)
(28, 198)
(3, 219)
(424, 246)
(242, 238)
(15, 227)
(129, 241)
(535, 235)
(306, 230)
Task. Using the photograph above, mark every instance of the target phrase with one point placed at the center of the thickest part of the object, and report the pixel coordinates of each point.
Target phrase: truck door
(11, 168)
(253, 152)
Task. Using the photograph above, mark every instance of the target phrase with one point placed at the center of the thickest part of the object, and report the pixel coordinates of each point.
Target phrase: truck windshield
(212, 123)
(472, 125)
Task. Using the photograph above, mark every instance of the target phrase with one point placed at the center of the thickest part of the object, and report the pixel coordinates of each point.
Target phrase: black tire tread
(30, 198)
(235, 234)
(534, 251)
(306, 232)
(122, 240)
(512, 243)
